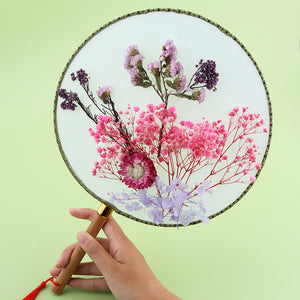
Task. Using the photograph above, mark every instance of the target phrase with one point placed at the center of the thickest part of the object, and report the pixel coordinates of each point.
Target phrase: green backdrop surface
(249, 252)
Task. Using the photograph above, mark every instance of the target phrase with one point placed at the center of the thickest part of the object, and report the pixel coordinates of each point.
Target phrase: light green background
(249, 252)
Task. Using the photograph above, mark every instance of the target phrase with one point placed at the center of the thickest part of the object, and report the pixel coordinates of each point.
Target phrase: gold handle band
(104, 211)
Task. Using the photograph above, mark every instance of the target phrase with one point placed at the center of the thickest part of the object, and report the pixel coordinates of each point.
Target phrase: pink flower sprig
(238, 156)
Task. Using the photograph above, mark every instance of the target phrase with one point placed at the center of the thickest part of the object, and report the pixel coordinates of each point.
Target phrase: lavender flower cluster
(175, 202)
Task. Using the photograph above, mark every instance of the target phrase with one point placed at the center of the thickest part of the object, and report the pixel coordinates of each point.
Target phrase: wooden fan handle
(95, 226)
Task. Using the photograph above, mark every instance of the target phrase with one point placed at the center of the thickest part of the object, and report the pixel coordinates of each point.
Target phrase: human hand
(122, 268)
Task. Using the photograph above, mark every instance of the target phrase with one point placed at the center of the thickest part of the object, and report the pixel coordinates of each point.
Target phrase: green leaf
(146, 84)
(182, 95)
(158, 83)
(170, 84)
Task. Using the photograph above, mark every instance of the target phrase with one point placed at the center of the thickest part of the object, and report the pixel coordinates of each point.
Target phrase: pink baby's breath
(258, 166)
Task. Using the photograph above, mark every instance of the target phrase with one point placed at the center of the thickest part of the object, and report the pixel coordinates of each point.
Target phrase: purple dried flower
(68, 105)
(201, 96)
(104, 92)
(70, 99)
(114, 197)
(133, 206)
(136, 61)
(82, 76)
(134, 65)
(73, 77)
(156, 215)
(182, 83)
(62, 93)
(176, 201)
(176, 68)
(153, 65)
(134, 76)
(205, 220)
(154, 68)
(142, 194)
(186, 218)
(179, 198)
(133, 58)
(206, 75)
(169, 51)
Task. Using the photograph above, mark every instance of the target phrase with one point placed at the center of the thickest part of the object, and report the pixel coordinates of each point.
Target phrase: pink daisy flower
(138, 170)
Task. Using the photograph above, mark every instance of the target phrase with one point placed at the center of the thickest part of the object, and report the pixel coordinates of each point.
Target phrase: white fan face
(102, 57)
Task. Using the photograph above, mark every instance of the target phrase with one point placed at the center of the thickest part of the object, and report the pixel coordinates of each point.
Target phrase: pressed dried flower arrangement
(138, 147)
(160, 159)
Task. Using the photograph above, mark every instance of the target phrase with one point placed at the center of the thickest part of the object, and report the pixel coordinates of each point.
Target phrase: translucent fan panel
(164, 116)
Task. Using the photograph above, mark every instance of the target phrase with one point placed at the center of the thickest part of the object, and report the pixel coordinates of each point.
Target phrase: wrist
(156, 291)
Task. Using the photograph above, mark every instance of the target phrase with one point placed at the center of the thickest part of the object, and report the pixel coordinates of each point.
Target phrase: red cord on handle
(35, 292)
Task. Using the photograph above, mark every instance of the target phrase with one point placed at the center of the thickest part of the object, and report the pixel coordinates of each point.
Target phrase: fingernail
(83, 237)
(72, 210)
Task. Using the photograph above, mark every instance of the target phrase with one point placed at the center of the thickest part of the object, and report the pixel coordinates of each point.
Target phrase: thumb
(96, 252)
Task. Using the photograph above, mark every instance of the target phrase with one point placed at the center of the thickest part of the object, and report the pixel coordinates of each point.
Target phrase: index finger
(111, 228)
(83, 213)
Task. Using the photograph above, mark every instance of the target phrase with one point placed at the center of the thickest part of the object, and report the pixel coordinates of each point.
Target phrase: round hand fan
(164, 117)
